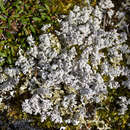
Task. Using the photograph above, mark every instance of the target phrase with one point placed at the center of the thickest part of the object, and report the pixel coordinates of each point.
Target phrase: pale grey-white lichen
(72, 68)
(124, 105)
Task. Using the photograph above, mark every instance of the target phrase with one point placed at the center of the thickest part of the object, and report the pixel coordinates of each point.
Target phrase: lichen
(73, 76)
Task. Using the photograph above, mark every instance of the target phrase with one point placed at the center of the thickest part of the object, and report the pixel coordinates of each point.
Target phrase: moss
(79, 50)
(104, 50)
(110, 110)
(93, 3)
(48, 124)
(62, 6)
(120, 78)
(2, 105)
(25, 18)
(19, 19)
(124, 61)
(14, 111)
(106, 78)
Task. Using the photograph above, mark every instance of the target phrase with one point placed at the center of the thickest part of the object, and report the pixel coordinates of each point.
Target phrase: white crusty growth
(72, 68)
(69, 67)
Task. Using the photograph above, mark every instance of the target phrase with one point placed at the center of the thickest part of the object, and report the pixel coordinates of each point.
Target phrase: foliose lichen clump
(71, 70)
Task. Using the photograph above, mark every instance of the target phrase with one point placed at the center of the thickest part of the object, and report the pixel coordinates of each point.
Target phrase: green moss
(110, 110)
(78, 50)
(49, 124)
(61, 6)
(2, 105)
(106, 78)
(14, 111)
(104, 50)
(124, 61)
(27, 17)
(20, 18)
